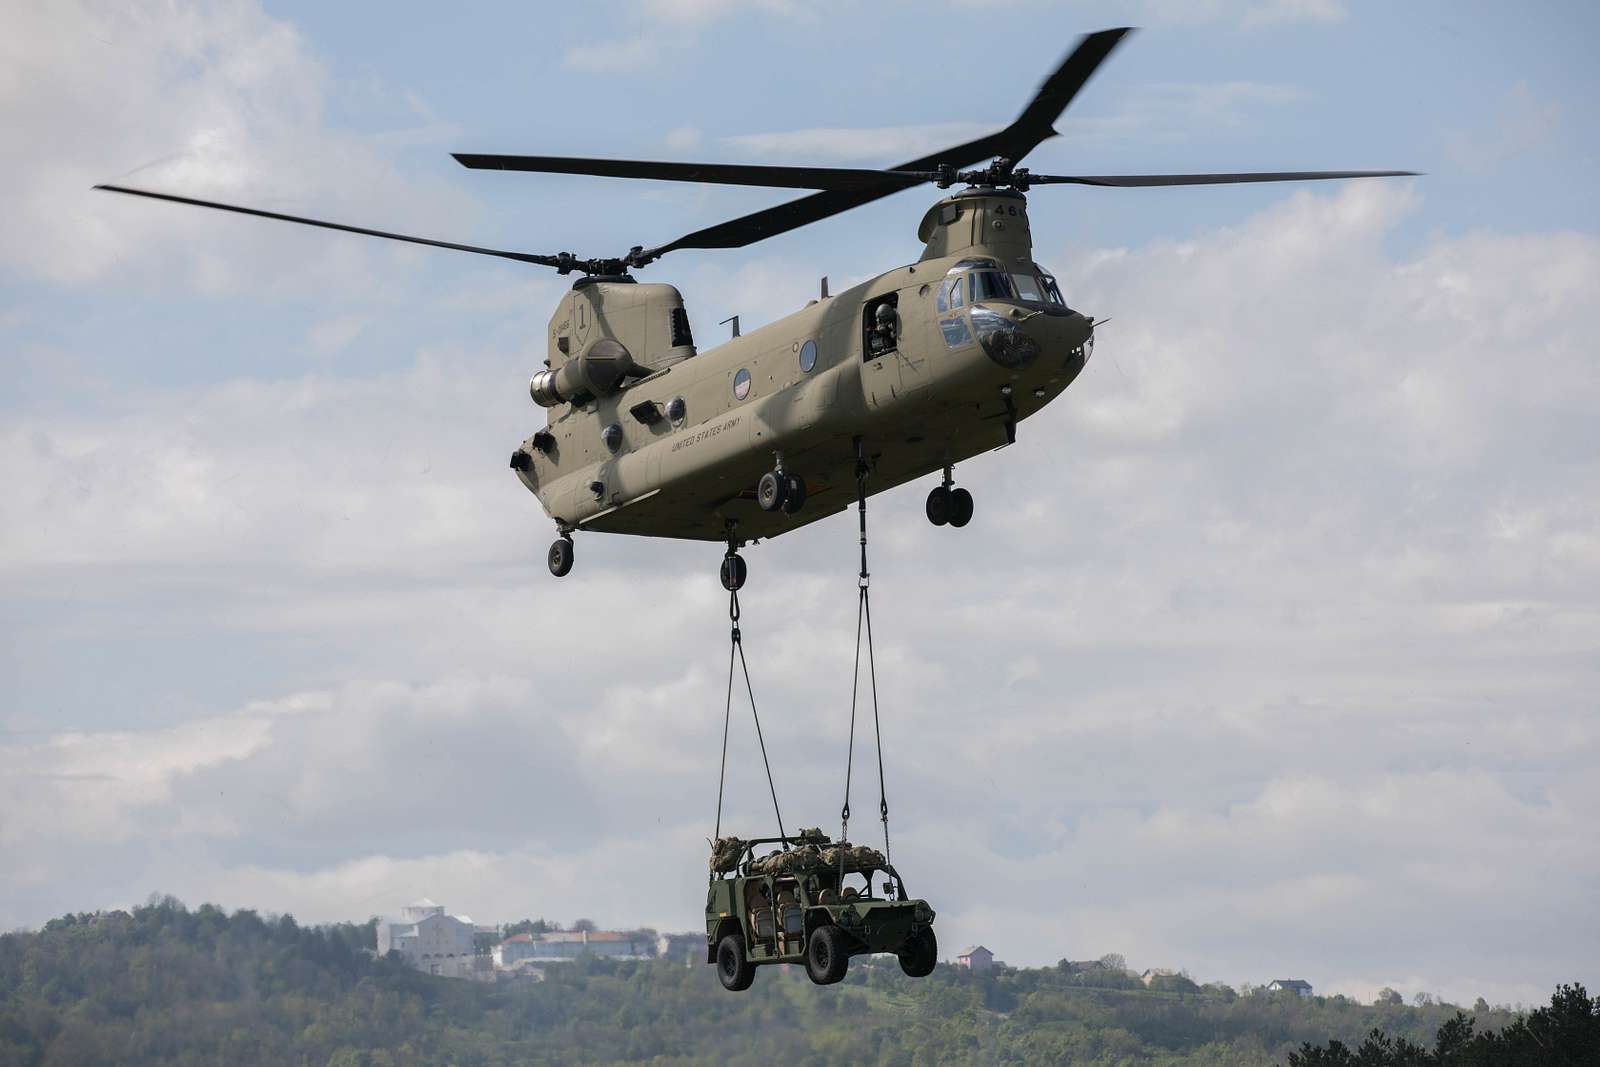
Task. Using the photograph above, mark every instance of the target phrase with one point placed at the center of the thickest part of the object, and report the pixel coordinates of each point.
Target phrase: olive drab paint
(920, 406)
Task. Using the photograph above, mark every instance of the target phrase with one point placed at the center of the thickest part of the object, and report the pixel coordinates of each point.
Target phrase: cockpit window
(950, 294)
(968, 264)
(1027, 288)
(1051, 291)
(990, 285)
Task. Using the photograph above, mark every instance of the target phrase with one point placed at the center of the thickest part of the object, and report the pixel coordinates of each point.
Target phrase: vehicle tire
(560, 558)
(920, 954)
(827, 955)
(734, 572)
(771, 490)
(960, 507)
(939, 505)
(794, 494)
(734, 969)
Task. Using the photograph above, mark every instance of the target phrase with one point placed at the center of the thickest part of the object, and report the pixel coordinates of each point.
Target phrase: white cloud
(216, 101)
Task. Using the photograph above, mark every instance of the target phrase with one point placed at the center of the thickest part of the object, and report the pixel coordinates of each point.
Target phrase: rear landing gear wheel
(939, 505)
(772, 490)
(794, 493)
(560, 556)
(960, 507)
(734, 572)
(734, 970)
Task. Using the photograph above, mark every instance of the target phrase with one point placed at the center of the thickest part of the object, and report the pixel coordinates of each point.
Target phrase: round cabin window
(808, 356)
(741, 384)
(675, 411)
(612, 436)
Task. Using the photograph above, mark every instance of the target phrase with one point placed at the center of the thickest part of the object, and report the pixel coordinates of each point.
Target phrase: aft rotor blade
(708, 173)
(1015, 141)
(521, 257)
(1144, 181)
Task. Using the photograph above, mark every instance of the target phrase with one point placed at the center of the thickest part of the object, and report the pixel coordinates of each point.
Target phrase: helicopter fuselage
(976, 339)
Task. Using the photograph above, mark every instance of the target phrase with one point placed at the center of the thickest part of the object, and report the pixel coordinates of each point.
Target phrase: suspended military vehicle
(909, 373)
(814, 903)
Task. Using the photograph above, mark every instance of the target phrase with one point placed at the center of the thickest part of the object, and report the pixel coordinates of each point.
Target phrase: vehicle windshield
(884, 884)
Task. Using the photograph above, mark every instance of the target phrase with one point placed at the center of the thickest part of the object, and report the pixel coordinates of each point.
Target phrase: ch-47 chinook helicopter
(904, 375)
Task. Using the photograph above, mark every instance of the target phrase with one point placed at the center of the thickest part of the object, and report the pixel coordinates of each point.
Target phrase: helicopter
(904, 375)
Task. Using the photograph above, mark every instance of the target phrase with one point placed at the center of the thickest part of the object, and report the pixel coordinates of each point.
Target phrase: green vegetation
(172, 986)
(1566, 1034)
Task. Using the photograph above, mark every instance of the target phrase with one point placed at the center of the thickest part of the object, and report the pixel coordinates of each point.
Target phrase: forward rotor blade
(1144, 181)
(708, 173)
(1015, 141)
(521, 257)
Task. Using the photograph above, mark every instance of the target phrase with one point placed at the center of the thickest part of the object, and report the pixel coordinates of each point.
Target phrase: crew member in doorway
(886, 328)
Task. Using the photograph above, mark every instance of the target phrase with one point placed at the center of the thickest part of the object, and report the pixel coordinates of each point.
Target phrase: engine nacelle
(602, 368)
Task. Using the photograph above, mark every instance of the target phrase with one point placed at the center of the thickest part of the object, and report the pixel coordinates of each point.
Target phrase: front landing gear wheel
(920, 954)
(560, 557)
(960, 507)
(772, 490)
(734, 970)
(734, 572)
(794, 493)
(826, 955)
(939, 505)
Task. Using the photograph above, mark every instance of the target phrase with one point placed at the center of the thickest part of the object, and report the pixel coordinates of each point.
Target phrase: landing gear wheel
(734, 572)
(560, 557)
(939, 505)
(734, 969)
(826, 955)
(771, 491)
(960, 507)
(920, 954)
(794, 493)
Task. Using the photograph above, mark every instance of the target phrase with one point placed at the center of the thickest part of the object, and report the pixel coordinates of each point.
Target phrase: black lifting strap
(864, 617)
(727, 715)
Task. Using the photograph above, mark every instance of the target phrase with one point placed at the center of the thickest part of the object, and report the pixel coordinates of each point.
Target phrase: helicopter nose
(1017, 337)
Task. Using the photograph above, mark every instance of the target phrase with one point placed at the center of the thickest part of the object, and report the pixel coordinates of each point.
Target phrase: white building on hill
(1289, 985)
(428, 939)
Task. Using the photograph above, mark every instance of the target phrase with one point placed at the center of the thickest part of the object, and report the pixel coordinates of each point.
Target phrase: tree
(584, 925)
(1113, 961)
(1566, 1032)
(1388, 996)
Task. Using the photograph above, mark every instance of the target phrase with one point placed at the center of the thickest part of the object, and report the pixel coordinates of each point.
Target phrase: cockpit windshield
(972, 280)
(1038, 289)
(990, 285)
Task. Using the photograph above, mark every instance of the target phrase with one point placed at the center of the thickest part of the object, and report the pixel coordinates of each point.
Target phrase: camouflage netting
(853, 857)
(726, 852)
(796, 859)
(810, 857)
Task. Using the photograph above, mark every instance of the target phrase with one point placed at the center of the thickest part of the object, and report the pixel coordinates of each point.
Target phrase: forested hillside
(172, 986)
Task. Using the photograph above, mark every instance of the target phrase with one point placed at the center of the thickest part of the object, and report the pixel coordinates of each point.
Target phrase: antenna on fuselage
(824, 287)
(733, 319)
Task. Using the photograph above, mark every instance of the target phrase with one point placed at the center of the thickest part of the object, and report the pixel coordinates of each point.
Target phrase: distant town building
(976, 959)
(689, 948)
(430, 940)
(1293, 985)
(512, 951)
(1157, 972)
(553, 946)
